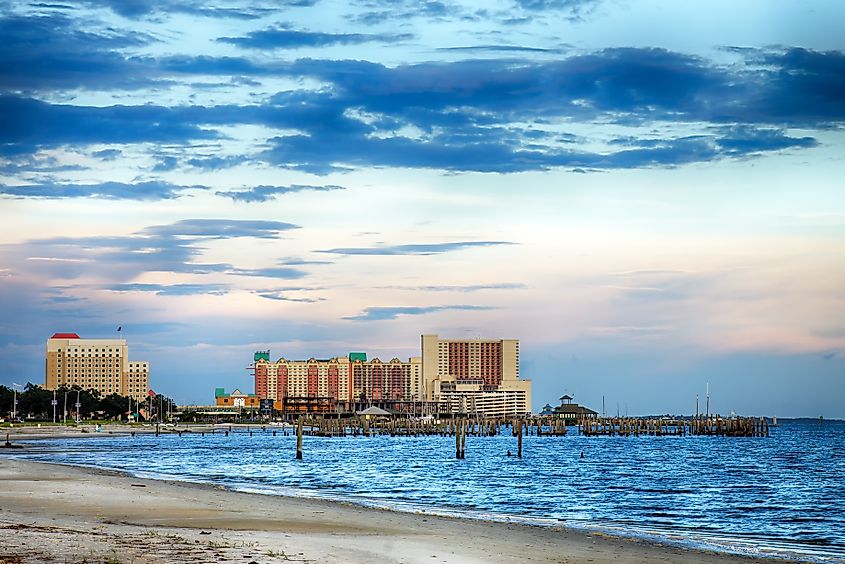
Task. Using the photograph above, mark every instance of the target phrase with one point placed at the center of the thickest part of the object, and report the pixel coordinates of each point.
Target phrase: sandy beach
(54, 513)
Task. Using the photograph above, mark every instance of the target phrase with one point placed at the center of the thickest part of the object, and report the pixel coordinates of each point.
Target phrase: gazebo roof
(373, 411)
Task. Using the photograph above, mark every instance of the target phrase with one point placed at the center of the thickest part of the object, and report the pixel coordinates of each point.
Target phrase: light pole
(55, 403)
(64, 411)
(78, 406)
(15, 401)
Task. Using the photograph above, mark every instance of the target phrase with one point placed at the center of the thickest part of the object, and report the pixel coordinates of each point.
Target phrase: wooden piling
(519, 440)
(299, 439)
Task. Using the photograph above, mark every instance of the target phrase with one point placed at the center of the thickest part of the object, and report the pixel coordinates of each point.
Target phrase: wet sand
(55, 513)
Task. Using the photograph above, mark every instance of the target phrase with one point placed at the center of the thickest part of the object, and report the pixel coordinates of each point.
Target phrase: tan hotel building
(475, 375)
(98, 364)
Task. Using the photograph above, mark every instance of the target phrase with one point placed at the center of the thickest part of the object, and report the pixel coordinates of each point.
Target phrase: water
(778, 496)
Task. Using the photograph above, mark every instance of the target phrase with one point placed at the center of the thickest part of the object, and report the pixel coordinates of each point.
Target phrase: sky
(648, 195)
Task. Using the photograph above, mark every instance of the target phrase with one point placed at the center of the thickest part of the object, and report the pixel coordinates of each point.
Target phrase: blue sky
(646, 194)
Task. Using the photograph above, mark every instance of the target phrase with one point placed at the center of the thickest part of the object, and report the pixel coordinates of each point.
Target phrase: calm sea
(780, 496)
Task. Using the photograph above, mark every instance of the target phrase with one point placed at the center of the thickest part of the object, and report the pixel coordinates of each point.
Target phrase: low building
(235, 399)
(573, 413)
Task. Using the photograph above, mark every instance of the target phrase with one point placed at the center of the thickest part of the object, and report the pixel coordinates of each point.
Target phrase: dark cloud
(152, 190)
(221, 228)
(172, 289)
(282, 297)
(387, 313)
(173, 247)
(107, 154)
(500, 48)
(420, 249)
(575, 10)
(380, 11)
(137, 9)
(281, 272)
(216, 163)
(492, 115)
(265, 193)
(280, 38)
(47, 52)
(31, 124)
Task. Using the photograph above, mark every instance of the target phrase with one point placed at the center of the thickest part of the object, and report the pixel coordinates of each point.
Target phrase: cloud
(381, 11)
(387, 313)
(486, 115)
(152, 190)
(32, 124)
(575, 9)
(269, 272)
(281, 297)
(138, 9)
(466, 288)
(172, 289)
(264, 193)
(414, 249)
(47, 52)
(216, 163)
(279, 38)
(172, 248)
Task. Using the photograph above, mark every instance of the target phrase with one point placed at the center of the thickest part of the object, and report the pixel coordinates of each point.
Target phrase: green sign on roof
(353, 356)
(262, 355)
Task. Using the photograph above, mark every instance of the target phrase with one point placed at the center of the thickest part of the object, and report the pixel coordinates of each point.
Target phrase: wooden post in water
(464, 440)
(519, 440)
(299, 439)
(457, 442)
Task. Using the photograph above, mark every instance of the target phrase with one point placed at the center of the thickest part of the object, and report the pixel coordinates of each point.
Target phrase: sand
(55, 513)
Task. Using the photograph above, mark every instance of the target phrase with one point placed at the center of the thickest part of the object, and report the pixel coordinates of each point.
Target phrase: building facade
(95, 364)
(235, 399)
(475, 376)
(340, 379)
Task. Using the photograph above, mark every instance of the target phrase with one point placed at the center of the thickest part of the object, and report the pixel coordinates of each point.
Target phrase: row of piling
(713, 425)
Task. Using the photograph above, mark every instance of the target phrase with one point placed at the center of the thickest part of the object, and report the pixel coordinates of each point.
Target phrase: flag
(151, 393)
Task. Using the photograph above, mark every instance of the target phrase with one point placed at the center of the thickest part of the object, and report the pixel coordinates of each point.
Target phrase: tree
(6, 398)
(114, 405)
(34, 401)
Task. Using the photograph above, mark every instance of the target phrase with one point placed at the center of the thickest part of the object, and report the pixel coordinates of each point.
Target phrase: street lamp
(15, 401)
(78, 406)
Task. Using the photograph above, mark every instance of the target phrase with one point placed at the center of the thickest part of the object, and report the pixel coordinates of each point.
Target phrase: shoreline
(98, 508)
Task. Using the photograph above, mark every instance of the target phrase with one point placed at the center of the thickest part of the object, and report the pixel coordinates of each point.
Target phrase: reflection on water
(779, 495)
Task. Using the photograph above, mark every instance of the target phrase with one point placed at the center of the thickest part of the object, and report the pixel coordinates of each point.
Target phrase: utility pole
(15, 401)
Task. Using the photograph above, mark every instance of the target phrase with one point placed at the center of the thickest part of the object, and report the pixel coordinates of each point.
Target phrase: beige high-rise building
(479, 376)
(98, 364)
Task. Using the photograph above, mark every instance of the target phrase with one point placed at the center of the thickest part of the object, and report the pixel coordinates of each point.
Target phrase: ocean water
(778, 496)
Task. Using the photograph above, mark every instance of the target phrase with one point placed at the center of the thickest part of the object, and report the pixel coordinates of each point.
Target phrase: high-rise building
(475, 375)
(341, 379)
(95, 364)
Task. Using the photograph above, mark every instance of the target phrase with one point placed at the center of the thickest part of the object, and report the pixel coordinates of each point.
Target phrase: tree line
(36, 403)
